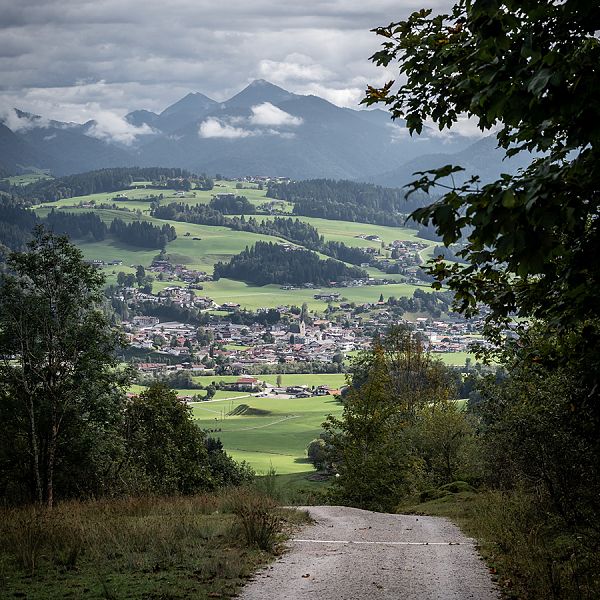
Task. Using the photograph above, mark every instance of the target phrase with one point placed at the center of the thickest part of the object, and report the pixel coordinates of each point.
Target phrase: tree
(371, 446)
(58, 352)
(317, 454)
(165, 444)
(529, 68)
(140, 274)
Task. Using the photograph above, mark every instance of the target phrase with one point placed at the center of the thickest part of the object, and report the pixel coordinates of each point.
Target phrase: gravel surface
(352, 554)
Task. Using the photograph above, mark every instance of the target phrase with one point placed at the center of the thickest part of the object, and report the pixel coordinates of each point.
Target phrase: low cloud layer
(20, 122)
(264, 119)
(72, 59)
(114, 128)
(214, 128)
(268, 114)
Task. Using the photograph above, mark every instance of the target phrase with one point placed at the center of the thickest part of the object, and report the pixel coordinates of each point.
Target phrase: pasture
(276, 436)
(201, 246)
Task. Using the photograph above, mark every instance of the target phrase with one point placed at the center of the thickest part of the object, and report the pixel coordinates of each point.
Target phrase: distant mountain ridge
(262, 130)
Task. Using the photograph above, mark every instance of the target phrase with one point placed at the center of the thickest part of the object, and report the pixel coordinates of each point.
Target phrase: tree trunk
(35, 451)
(50, 467)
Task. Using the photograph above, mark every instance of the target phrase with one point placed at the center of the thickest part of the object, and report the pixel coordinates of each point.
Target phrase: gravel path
(352, 554)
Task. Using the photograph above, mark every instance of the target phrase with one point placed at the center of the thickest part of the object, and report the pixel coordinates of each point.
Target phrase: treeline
(432, 303)
(17, 223)
(346, 201)
(293, 230)
(266, 263)
(77, 225)
(92, 182)
(143, 233)
(228, 204)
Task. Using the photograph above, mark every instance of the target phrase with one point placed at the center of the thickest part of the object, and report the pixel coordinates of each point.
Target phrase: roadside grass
(530, 554)
(307, 488)
(155, 548)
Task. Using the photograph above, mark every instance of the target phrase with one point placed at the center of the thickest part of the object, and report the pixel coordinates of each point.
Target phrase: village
(277, 340)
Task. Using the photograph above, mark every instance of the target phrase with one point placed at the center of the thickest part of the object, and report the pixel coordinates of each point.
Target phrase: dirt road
(351, 554)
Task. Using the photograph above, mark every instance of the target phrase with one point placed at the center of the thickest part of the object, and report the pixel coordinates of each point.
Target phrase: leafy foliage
(164, 443)
(399, 430)
(530, 69)
(58, 365)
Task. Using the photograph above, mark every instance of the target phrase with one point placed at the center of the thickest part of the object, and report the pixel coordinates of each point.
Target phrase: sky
(75, 60)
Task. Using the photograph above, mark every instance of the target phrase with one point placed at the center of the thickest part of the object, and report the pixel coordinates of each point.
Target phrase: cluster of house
(171, 272)
(97, 262)
(238, 349)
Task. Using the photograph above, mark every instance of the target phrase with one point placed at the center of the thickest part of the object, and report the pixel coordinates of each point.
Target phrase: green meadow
(201, 246)
(276, 435)
(455, 359)
(279, 430)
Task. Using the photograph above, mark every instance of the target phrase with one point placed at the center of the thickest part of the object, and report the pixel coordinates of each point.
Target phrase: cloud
(21, 122)
(344, 96)
(213, 128)
(269, 115)
(294, 68)
(111, 127)
(59, 56)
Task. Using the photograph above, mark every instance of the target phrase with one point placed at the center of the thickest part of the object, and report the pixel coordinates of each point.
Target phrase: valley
(200, 334)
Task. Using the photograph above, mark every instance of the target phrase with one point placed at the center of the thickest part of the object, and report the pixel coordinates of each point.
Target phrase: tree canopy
(527, 71)
(58, 368)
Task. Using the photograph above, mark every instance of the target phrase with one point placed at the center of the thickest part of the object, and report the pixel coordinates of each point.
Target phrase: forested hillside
(92, 182)
(347, 201)
(266, 263)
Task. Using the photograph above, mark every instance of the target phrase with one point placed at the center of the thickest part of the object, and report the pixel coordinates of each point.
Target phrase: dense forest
(17, 223)
(290, 229)
(77, 225)
(228, 204)
(346, 201)
(143, 233)
(266, 263)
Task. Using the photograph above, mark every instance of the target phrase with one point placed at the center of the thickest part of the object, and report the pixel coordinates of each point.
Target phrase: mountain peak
(257, 92)
(194, 101)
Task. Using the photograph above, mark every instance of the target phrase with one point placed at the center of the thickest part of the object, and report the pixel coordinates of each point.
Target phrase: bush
(260, 525)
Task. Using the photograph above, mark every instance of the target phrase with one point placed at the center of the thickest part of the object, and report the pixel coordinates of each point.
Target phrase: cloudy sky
(75, 60)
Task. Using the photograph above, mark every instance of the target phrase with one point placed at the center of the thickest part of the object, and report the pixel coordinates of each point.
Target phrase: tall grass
(533, 553)
(214, 540)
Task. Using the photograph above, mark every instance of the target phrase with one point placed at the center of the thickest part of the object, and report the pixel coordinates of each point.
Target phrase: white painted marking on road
(383, 543)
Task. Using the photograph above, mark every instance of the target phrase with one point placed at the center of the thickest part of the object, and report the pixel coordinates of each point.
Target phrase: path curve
(352, 554)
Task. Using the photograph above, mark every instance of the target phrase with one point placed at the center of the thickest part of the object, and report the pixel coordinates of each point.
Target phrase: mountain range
(262, 130)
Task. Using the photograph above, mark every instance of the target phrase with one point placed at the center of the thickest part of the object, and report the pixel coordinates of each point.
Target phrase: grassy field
(153, 548)
(181, 392)
(334, 380)
(455, 359)
(277, 436)
(214, 244)
(28, 178)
